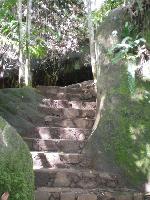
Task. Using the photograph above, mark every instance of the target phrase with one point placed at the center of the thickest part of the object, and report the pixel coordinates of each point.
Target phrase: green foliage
(132, 49)
(16, 173)
(127, 49)
(99, 15)
(38, 51)
(58, 28)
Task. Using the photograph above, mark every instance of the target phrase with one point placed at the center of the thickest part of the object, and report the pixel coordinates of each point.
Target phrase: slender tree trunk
(91, 6)
(28, 30)
(21, 65)
(91, 37)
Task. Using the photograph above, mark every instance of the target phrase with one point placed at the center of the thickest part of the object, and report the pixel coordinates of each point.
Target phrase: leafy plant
(128, 49)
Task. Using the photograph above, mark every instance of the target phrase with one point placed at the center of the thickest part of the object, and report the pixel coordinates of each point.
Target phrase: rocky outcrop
(121, 128)
(16, 173)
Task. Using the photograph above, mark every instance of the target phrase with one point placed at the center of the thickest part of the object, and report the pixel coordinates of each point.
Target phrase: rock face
(16, 173)
(121, 128)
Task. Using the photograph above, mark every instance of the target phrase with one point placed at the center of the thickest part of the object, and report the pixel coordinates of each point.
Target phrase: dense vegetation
(58, 40)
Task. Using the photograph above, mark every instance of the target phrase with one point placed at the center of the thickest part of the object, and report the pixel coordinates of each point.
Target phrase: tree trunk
(28, 30)
(21, 65)
(92, 42)
(92, 5)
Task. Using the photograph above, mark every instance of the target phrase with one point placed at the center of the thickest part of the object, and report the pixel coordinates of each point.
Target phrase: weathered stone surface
(138, 196)
(69, 104)
(87, 197)
(84, 85)
(70, 96)
(60, 133)
(55, 145)
(67, 113)
(72, 123)
(96, 193)
(41, 195)
(123, 196)
(59, 160)
(54, 196)
(68, 196)
(68, 92)
(74, 178)
(74, 89)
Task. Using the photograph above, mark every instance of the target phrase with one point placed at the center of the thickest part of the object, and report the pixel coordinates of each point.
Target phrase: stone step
(46, 193)
(74, 178)
(47, 133)
(55, 145)
(69, 96)
(71, 123)
(59, 160)
(66, 113)
(69, 104)
(85, 85)
(70, 90)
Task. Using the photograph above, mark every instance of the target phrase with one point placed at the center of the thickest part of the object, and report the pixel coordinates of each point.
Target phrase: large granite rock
(121, 132)
(16, 174)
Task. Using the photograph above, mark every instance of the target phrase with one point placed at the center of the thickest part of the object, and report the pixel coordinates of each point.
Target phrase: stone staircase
(62, 170)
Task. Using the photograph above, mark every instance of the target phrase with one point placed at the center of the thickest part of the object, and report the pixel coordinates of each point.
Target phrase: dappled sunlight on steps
(55, 145)
(60, 133)
(86, 194)
(59, 160)
(62, 170)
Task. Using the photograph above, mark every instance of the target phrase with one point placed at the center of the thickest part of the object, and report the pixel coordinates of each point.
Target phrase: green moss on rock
(123, 128)
(130, 141)
(16, 171)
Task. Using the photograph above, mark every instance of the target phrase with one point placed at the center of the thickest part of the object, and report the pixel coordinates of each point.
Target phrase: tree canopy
(58, 28)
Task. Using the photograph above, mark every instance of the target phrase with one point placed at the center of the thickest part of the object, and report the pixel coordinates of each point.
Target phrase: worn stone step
(71, 123)
(46, 193)
(70, 90)
(59, 160)
(69, 104)
(59, 133)
(55, 145)
(75, 178)
(85, 85)
(66, 113)
(69, 96)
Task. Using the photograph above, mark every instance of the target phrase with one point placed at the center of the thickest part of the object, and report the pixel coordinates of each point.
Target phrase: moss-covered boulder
(16, 174)
(122, 128)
